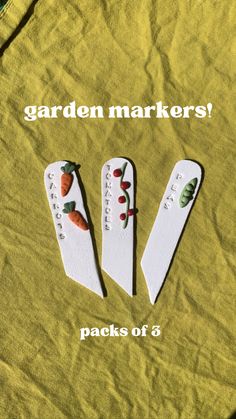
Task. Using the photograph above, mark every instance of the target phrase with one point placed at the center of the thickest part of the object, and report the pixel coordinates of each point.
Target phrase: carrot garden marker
(118, 221)
(72, 230)
(172, 215)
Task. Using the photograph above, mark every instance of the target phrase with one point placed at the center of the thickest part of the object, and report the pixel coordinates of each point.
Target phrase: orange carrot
(67, 178)
(75, 216)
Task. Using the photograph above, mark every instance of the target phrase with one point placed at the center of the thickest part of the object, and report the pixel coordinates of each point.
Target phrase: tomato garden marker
(172, 215)
(75, 243)
(118, 221)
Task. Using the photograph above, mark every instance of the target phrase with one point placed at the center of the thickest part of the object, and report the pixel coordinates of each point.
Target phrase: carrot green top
(68, 168)
(69, 207)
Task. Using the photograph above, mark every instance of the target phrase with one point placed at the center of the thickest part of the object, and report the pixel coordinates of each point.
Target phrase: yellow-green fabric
(126, 52)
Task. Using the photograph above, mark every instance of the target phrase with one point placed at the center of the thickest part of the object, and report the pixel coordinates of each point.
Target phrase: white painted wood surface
(75, 245)
(117, 242)
(168, 226)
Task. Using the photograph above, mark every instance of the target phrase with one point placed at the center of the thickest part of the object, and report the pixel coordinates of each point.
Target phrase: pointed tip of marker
(100, 294)
(97, 290)
(152, 295)
(95, 287)
(128, 288)
(152, 299)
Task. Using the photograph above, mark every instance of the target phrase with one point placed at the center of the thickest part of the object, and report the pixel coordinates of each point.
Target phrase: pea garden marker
(172, 215)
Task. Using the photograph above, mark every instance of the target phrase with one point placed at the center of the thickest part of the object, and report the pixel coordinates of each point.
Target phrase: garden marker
(172, 215)
(71, 225)
(118, 221)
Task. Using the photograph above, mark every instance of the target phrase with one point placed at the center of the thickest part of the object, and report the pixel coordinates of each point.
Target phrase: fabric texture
(129, 53)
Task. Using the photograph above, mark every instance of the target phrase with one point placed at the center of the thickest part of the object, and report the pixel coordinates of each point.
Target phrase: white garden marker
(118, 221)
(71, 225)
(172, 215)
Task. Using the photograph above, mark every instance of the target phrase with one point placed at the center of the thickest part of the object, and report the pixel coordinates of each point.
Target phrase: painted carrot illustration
(75, 216)
(67, 178)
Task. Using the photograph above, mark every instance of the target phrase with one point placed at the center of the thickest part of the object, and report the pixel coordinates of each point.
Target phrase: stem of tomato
(123, 168)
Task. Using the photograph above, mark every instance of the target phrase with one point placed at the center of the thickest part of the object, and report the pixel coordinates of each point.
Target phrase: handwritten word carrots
(75, 216)
(67, 178)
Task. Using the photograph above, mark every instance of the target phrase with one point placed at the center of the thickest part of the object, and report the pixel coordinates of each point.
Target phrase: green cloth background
(117, 52)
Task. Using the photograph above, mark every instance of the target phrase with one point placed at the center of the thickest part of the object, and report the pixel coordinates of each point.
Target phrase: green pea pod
(187, 193)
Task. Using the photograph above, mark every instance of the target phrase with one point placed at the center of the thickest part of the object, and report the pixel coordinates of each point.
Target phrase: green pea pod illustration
(187, 193)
